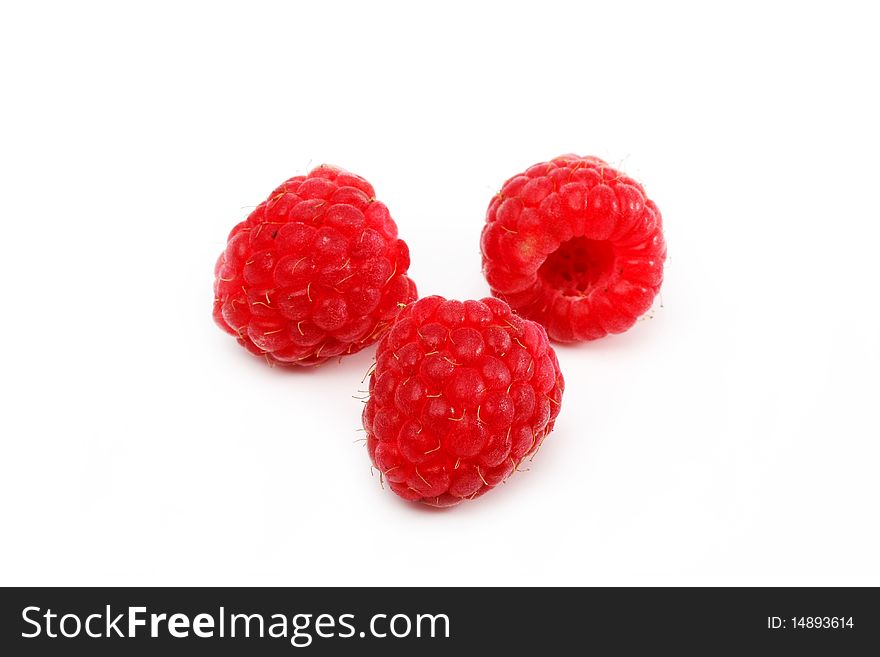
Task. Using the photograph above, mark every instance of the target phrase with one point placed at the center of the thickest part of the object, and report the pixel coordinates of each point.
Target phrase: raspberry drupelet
(575, 245)
(461, 393)
(315, 271)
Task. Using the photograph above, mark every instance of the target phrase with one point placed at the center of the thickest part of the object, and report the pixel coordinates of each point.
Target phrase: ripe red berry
(314, 272)
(575, 245)
(461, 394)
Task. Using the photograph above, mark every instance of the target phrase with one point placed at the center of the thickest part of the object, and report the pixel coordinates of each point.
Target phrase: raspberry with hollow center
(315, 271)
(460, 395)
(575, 245)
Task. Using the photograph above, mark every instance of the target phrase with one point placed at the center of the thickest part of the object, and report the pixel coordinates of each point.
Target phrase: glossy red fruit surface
(461, 394)
(315, 271)
(575, 245)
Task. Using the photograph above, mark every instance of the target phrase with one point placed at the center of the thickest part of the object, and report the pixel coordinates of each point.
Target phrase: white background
(730, 439)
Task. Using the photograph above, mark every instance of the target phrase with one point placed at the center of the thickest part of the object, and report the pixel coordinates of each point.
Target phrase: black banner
(430, 621)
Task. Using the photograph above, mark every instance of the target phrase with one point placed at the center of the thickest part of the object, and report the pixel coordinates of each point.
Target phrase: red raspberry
(315, 271)
(575, 245)
(461, 394)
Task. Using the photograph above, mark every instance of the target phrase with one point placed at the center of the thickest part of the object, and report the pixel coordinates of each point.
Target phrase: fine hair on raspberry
(575, 245)
(461, 394)
(316, 271)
